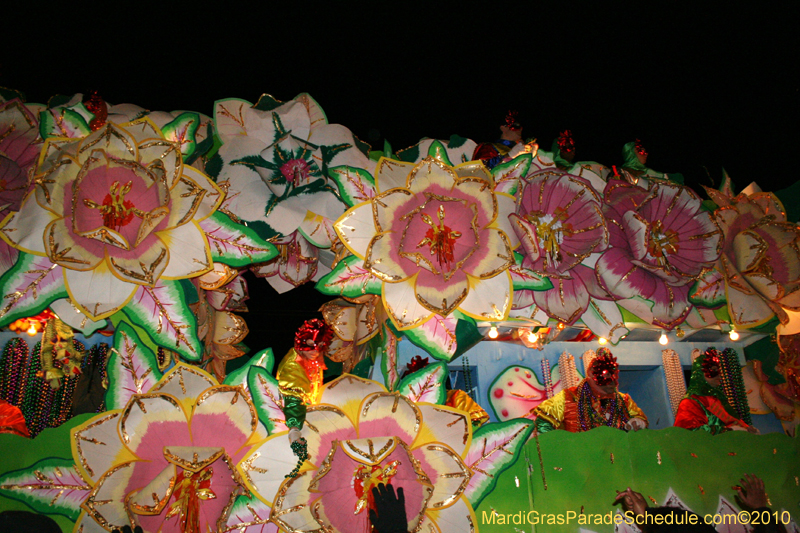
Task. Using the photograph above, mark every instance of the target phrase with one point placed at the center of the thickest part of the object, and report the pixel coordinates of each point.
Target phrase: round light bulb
(493, 333)
(32, 330)
(663, 340)
(602, 340)
(733, 335)
(533, 337)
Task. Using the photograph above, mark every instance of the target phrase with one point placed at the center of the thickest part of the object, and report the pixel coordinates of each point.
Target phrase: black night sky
(703, 84)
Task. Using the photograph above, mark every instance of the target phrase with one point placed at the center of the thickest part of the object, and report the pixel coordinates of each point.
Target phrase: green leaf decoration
(788, 198)
(628, 316)
(214, 166)
(63, 122)
(163, 312)
(183, 130)
(362, 368)
(51, 486)
(235, 244)
(467, 334)
(120, 318)
(438, 151)
(267, 103)
(426, 385)
(409, 155)
(709, 290)
(263, 359)
(203, 147)
(525, 279)
(495, 447)
(363, 147)
(267, 399)
(388, 348)
(507, 176)
(132, 367)
(456, 141)
(249, 515)
(349, 279)
(30, 286)
(355, 185)
(437, 336)
(9, 94)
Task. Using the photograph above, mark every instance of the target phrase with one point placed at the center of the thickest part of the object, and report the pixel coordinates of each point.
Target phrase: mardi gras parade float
(490, 304)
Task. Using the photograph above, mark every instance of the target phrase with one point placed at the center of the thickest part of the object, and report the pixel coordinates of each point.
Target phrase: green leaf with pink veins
(426, 385)
(494, 448)
(350, 279)
(267, 399)
(132, 367)
(163, 312)
(51, 486)
(29, 287)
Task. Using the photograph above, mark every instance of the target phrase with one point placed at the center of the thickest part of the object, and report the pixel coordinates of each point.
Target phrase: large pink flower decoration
(432, 235)
(560, 223)
(18, 151)
(358, 436)
(167, 461)
(760, 261)
(116, 209)
(661, 241)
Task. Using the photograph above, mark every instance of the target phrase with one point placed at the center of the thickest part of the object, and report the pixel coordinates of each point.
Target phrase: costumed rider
(634, 166)
(300, 373)
(705, 406)
(594, 402)
(509, 146)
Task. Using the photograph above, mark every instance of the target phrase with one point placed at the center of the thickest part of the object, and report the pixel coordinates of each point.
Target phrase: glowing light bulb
(493, 333)
(32, 330)
(602, 340)
(533, 337)
(733, 335)
(561, 325)
(663, 340)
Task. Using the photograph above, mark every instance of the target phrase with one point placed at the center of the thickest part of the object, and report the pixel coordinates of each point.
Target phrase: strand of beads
(467, 376)
(300, 449)
(733, 384)
(673, 372)
(15, 354)
(548, 382)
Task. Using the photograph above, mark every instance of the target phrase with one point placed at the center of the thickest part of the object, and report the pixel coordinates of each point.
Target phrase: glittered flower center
(190, 489)
(662, 242)
(296, 171)
(117, 212)
(439, 238)
(550, 231)
(367, 477)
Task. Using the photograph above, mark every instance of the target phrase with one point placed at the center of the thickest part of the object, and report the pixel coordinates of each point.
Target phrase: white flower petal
(191, 255)
(489, 298)
(347, 392)
(506, 204)
(98, 293)
(356, 228)
(400, 301)
(391, 174)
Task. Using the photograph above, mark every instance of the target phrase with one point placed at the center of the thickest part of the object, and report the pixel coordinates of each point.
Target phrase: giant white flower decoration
(358, 436)
(167, 460)
(436, 236)
(116, 210)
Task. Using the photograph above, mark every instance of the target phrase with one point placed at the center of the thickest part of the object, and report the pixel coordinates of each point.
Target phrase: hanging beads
(548, 382)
